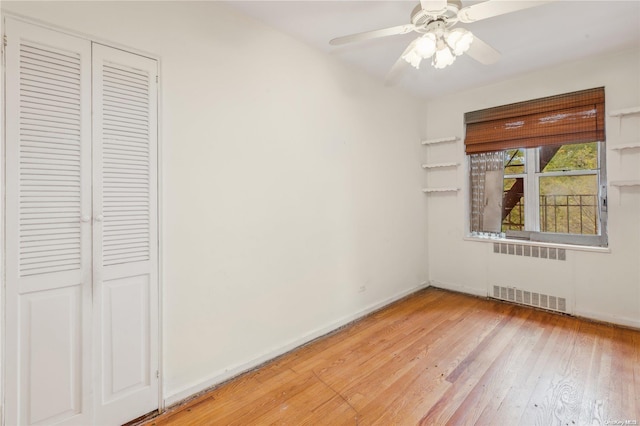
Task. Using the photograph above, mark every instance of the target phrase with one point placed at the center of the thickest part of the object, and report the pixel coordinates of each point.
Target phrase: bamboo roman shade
(576, 117)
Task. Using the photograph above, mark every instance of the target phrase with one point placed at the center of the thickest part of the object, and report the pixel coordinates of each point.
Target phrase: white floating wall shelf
(625, 111)
(625, 183)
(435, 166)
(430, 190)
(440, 140)
(630, 145)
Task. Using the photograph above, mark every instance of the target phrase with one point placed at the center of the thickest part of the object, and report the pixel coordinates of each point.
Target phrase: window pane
(569, 204)
(514, 162)
(513, 205)
(579, 156)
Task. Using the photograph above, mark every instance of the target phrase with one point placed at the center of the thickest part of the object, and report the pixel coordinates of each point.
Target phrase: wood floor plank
(593, 383)
(410, 395)
(516, 400)
(623, 397)
(472, 370)
(552, 388)
(434, 358)
(368, 346)
(492, 387)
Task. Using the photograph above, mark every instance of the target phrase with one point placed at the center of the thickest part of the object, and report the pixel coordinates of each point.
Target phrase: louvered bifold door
(125, 234)
(48, 233)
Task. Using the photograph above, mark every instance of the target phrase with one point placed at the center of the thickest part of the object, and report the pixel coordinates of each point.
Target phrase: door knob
(85, 218)
(99, 218)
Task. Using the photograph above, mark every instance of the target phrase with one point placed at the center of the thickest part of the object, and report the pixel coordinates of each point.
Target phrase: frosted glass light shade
(459, 40)
(426, 45)
(443, 58)
(413, 58)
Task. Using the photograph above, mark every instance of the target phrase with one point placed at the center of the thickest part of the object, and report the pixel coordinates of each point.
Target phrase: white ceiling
(528, 40)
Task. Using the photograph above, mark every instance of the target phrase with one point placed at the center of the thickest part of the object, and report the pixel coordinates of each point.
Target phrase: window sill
(539, 244)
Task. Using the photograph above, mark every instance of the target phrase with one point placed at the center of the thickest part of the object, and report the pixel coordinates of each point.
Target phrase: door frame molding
(94, 39)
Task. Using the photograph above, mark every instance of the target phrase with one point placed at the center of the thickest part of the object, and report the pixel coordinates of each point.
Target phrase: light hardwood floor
(439, 358)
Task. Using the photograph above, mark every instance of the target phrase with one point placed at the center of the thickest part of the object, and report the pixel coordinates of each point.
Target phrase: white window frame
(531, 180)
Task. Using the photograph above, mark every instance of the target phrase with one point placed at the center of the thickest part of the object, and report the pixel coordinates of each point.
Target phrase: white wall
(291, 183)
(603, 286)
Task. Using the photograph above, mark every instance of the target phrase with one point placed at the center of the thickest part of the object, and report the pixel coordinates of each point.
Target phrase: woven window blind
(575, 117)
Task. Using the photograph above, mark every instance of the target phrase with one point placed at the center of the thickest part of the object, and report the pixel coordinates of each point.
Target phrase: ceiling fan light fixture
(426, 45)
(433, 19)
(459, 40)
(443, 57)
(413, 58)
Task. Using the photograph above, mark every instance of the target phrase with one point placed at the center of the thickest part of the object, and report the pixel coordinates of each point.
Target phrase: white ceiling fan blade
(482, 52)
(399, 66)
(491, 8)
(433, 5)
(367, 35)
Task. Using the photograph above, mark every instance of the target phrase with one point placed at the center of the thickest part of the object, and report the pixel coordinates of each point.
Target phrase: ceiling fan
(434, 21)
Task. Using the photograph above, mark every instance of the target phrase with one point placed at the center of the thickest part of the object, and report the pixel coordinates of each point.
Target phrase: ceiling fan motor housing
(437, 27)
(422, 18)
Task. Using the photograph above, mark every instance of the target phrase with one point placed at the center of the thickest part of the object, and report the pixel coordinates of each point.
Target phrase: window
(537, 169)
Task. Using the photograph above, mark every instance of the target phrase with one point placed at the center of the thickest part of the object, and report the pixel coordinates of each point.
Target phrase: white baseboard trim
(232, 371)
(482, 292)
(609, 318)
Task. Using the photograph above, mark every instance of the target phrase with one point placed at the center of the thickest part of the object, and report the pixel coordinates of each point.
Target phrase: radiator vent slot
(530, 298)
(530, 251)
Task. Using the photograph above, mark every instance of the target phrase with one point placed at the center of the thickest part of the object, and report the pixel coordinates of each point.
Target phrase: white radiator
(530, 298)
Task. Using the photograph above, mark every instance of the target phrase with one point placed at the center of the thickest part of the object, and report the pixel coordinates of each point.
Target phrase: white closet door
(125, 249)
(48, 230)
